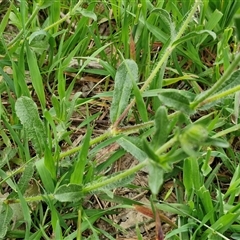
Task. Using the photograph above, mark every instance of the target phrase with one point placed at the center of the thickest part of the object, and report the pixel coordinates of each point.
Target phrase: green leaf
(142, 109)
(69, 193)
(6, 214)
(161, 125)
(237, 25)
(45, 176)
(194, 34)
(27, 112)
(156, 178)
(150, 152)
(79, 166)
(36, 76)
(87, 13)
(49, 162)
(132, 149)
(126, 72)
(175, 99)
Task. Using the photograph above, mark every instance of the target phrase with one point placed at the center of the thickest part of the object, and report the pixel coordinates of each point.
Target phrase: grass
(160, 84)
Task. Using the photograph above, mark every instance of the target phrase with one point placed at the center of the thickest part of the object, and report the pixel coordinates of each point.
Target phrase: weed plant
(168, 83)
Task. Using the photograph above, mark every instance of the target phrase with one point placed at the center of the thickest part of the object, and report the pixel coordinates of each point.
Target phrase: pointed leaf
(69, 193)
(5, 218)
(79, 167)
(175, 99)
(156, 177)
(161, 125)
(126, 72)
(27, 112)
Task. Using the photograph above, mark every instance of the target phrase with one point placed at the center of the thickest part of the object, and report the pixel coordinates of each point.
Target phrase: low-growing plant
(187, 134)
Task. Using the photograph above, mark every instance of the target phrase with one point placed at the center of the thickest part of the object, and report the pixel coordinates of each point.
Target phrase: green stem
(220, 95)
(13, 42)
(29, 199)
(218, 84)
(92, 142)
(167, 145)
(226, 131)
(116, 178)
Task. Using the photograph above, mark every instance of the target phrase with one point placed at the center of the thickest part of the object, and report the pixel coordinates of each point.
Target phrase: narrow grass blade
(79, 167)
(36, 76)
(5, 19)
(26, 213)
(45, 176)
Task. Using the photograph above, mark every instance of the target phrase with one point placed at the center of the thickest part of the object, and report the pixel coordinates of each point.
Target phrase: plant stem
(13, 42)
(92, 142)
(215, 87)
(29, 199)
(220, 95)
(167, 145)
(116, 178)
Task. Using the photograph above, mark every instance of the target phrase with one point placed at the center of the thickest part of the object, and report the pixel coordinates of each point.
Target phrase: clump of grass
(174, 109)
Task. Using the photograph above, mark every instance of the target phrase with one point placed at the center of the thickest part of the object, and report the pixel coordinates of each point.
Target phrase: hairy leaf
(5, 218)
(175, 99)
(69, 193)
(27, 112)
(126, 72)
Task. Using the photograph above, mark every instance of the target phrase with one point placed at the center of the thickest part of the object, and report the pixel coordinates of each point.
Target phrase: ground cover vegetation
(88, 86)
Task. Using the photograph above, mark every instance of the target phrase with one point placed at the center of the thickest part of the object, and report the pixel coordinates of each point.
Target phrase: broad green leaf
(24, 181)
(35, 74)
(87, 13)
(161, 125)
(69, 193)
(132, 149)
(6, 214)
(175, 99)
(79, 166)
(37, 34)
(155, 178)
(126, 72)
(27, 112)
